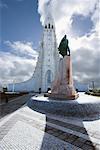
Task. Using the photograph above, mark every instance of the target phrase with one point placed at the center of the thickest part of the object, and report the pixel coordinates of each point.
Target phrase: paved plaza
(27, 129)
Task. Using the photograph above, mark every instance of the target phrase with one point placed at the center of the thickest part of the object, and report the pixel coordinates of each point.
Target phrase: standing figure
(63, 47)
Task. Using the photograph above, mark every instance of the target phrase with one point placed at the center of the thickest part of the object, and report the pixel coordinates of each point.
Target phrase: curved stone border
(84, 111)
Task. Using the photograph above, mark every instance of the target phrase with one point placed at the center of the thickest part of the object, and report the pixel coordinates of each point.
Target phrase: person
(49, 89)
(39, 90)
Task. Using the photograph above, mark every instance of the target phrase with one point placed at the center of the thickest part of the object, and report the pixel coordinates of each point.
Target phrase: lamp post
(93, 84)
(13, 88)
(88, 86)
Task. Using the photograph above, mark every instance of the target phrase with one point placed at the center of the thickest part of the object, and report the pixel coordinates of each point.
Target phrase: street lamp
(93, 84)
(13, 88)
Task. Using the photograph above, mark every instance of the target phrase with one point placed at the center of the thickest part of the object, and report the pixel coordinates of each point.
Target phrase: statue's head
(65, 37)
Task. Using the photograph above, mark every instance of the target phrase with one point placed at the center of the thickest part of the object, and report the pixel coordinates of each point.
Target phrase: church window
(49, 74)
(52, 26)
(46, 26)
(49, 25)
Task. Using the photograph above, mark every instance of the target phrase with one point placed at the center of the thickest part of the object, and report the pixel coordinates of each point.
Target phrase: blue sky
(20, 21)
(21, 30)
(81, 25)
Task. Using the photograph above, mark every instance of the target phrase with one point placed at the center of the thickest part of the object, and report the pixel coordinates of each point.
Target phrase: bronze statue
(63, 47)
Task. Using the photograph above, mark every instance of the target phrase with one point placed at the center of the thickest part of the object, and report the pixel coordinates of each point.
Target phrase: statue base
(63, 96)
(62, 87)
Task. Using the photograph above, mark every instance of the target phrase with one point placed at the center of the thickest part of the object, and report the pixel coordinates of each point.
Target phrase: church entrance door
(49, 79)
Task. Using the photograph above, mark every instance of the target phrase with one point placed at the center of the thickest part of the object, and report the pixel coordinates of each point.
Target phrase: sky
(21, 30)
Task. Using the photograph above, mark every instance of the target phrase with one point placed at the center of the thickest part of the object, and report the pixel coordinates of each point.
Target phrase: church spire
(49, 22)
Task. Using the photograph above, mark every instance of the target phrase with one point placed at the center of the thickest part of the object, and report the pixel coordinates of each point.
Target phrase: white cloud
(63, 10)
(86, 67)
(19, 63)
(13, 67)
(91, 42)
(22, 49)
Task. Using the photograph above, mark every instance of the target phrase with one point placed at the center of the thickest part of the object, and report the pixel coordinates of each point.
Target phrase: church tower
(47, 65)
(50, 55)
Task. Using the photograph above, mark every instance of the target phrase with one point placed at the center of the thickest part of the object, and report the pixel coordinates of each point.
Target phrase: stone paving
(26, 129)
(13, 105)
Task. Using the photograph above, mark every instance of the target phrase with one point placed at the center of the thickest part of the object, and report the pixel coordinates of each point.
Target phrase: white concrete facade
(50, 55)
(47, 64)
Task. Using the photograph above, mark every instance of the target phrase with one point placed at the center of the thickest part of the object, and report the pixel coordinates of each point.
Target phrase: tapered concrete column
(62, 87)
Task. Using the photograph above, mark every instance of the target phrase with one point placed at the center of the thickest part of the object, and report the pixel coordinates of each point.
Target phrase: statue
(63, 47)
(62, 86)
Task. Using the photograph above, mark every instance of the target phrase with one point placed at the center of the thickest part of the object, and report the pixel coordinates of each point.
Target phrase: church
(47, 64)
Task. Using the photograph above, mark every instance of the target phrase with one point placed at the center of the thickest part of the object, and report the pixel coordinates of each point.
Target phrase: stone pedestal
(62, 87)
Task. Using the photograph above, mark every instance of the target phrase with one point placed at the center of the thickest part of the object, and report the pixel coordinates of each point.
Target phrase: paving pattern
(13, 105)
(26, 129)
